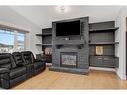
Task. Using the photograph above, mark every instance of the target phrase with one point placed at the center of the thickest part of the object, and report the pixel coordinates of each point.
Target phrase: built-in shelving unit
(46, 38)
(102, 39)
(46, 44)
(100, 34)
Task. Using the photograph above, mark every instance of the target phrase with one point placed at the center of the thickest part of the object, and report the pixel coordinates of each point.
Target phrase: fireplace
(71, 55)
(68, 59)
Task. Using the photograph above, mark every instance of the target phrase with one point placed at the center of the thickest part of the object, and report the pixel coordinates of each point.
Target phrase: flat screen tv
(68, 28)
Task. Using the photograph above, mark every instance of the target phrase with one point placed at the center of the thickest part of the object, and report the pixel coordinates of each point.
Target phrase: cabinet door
(96, 61)
(108, 62)
(48, 58)
(104, 61)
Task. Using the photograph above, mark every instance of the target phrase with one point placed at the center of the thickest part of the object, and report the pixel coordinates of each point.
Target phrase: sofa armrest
(4, 78)
(4, 70)
(39, 60)
(4, 73)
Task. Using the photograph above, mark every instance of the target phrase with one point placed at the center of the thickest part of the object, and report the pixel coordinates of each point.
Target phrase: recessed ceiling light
(62, 9)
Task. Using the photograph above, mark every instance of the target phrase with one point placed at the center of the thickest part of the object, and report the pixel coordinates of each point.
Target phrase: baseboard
(102, 69)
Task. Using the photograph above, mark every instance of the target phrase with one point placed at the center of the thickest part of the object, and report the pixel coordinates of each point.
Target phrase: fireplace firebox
(68, 59)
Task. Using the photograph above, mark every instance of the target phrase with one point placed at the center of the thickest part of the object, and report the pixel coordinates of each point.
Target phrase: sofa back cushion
(7, 61)
(28, 56)
(18, 59)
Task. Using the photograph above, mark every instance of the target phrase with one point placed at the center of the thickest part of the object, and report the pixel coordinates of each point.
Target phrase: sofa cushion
(18, 59)
(28, 56)
(5, 60)
(17, 72)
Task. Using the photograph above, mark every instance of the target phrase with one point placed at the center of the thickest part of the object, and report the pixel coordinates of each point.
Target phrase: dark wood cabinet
(104, 61)
(48, 58)
(103, 34)
(95, 60)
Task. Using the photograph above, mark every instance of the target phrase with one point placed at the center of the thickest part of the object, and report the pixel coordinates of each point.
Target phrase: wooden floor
(58, 80)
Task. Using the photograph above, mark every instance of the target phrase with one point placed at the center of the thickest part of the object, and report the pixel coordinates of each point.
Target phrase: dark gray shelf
(113, 56)
(46, 44)
(104, 29)
(104, 43)
(44, 34)
(38, 34)
(47, 34)
(38, 44)
(43, 44)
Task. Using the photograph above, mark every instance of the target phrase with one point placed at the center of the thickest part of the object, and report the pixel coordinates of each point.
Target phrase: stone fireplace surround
(77, 45)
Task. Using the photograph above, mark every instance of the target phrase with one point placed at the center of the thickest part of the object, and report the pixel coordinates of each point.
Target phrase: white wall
(121, 38)
(44, 15)
(11, 18)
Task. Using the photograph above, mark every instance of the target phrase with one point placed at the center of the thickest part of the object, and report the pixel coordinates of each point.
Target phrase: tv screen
(68, 28)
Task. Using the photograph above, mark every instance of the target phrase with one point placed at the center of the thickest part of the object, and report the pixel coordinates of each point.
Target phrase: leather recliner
(19, 59)
(10, 73)
(17, 67)
(39, 65)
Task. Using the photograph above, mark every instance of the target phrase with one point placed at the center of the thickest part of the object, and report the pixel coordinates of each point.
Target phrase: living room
(63, 47)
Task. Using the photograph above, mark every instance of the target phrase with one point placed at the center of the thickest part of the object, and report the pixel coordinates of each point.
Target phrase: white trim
(15, 41)
(102, 69)
(25, 41)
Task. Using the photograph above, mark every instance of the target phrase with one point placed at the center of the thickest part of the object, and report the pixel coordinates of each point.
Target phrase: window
(11, 41)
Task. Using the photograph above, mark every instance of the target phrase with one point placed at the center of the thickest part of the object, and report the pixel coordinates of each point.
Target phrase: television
(68, 28)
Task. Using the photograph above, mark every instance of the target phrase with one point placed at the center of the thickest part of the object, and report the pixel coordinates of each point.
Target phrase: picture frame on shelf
(99, 50)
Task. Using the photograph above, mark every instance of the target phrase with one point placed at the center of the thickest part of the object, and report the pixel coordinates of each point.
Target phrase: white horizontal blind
(11, 41)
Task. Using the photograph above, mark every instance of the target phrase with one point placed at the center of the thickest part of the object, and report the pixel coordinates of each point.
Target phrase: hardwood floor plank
(59, 80)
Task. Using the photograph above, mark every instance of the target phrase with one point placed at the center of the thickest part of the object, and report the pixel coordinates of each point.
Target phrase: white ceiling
(44, 15)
